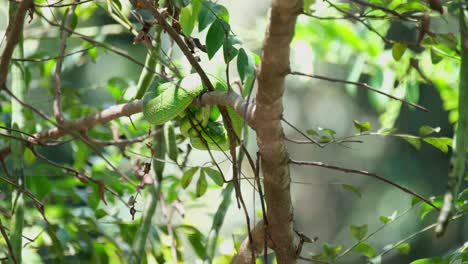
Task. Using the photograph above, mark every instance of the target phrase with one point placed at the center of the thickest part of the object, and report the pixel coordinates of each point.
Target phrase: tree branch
(244, 256)
(270, 136)
(13, 34)
(128, 109)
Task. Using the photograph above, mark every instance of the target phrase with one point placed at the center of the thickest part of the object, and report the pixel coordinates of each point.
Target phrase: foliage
(88, 191)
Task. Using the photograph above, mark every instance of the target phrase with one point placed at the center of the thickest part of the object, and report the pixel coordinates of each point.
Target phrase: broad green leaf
(312, 132)
(229, 51)
(93, 54)
(427, 130)
(365, 249)
(352, 189)
(426, 209)
(187, 177)
(435, 58)
(202, 184)
(209, 12)
(359, 232)
(189, 16)
(328, 131)
(29, 156)
(215, 175)
(431, 261)
(74, 21)
(387, 219)
(324, 139)
(216, 37)
(403, 248)
(412, 92)
(186, 21)
(330, 252)
(442, 143)
(361, 126)
(413, 140)
(196, 239)
(398, 50)
(245, 64)
(307, 4)
(100, 213)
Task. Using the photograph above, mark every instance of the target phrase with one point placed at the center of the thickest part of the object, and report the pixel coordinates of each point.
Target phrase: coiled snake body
(170, 101)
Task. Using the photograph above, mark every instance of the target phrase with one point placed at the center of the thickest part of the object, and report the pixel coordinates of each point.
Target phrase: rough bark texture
(269, 109)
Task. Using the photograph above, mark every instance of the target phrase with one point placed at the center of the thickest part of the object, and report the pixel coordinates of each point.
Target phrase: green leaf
(442, 143)
(186, 21)
(324, 139)
(196, 239)
(187, 177)
(229, 51)
(189, 16)
(307, 4)
(93, 54)
(427, 130)
(202, 184)
(361, 126)
(100, 213)
(209, 12)
(74, 21)
(365, 249)
(413, 140)
(216, 37)
(328, 131)
(359, 232)
(352, 189)
(435, 58)
(431, 261)
(330, 252)
(398, 50)
(387, 219)
(312, 132)
(215, 175)
(245, 64)
(403, 248)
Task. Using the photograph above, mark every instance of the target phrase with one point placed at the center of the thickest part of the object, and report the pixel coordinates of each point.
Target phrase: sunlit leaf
(202, 184)
(365, 249)
(215, 175)
(387, 219)
(361, 126)
(427, 130)
(359, 232)
(351, 188)
(216, 37)
(403, 248)
(330, 252)
(435, 58)
(187, 177)
(398, 50)
(413, 140)
(431, 261)
(441, 143)
(245, 64)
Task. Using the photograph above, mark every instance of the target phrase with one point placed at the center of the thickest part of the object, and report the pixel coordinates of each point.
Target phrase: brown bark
(210, 98)
(274, 155)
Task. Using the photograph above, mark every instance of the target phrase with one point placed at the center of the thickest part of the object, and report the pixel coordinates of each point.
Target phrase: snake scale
(171, 101)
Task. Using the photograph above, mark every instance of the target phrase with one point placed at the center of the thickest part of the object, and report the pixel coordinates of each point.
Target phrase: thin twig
(359, 84)
(57, 106)
(54, 58)
(366, 173)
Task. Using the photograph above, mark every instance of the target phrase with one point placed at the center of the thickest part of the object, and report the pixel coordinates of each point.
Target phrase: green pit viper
(170, 101)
